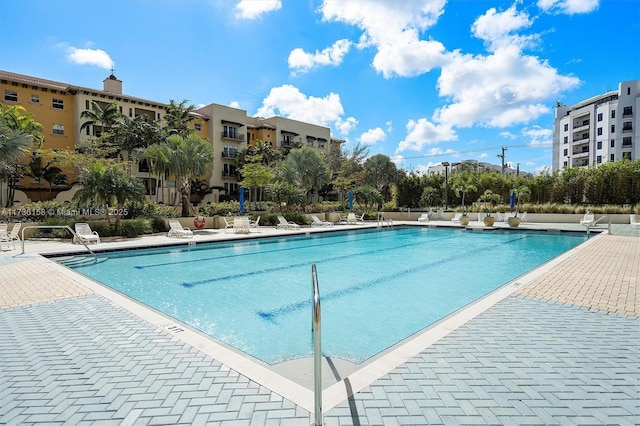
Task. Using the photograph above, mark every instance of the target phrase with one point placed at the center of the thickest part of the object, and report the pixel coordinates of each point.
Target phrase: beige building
(58, 106)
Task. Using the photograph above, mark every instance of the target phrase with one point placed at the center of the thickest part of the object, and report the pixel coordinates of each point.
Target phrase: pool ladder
(67, 227)
(383, 220)
(317, 348)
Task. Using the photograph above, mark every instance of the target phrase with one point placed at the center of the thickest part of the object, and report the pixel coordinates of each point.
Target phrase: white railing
(317, 349)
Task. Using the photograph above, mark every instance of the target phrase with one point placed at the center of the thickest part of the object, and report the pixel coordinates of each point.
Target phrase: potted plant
(490, 198)
(463, 185)
(520, 194)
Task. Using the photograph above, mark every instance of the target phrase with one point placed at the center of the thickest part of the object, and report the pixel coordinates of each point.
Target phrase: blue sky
(422, 81)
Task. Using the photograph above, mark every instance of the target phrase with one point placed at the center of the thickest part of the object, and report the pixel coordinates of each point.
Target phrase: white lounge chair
(588, 219)
(523, 217)
(228, 224)
(316, 222)
(254, 223)
(4, 235)
(13, 236)
(177, 231)
(284, 224)
(241, 225)
(424, 217)
(360, 220)
(351, 219)
(85, 235)
(456, 217)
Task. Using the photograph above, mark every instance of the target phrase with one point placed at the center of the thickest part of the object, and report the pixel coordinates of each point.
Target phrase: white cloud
(423, 132)
(372, 136)
(397, 159)
(497, 28)
(393, 28)
(570, 7)
(301, 61)
(96, 57)
(252, 9)
(498, 90)
(288, 101)
(389, 125)
(538, 136)
(234, 104)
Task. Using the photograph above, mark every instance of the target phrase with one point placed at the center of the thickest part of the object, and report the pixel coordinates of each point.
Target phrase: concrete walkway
(562, 348)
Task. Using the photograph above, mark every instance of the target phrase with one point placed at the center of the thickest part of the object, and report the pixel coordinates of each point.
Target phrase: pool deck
(557, 346)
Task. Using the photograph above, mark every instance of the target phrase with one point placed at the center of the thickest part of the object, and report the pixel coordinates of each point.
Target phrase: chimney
(112, 85)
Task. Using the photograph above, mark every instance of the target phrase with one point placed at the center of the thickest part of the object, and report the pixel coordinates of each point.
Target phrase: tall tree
(380, 172)
(186, 158)
(305, 169)
(178, 117)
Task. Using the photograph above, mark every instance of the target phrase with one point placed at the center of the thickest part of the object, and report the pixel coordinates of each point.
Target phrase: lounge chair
(360, 220)
(284, 224)
(254, 223)
(424, 217)
(228, 224)
(523, 217)
(84, 234)
(13, 236)
(316, 222)
(588, 219)
(241, 225)
(351, 219)
(456, 217)
(4, 235)
(177, 231)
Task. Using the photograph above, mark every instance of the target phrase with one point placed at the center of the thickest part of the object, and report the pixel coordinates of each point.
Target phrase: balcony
(232, 136)
(577, 125)
(581, 154)
(229, 154)
(290, 143)
(581, 138)
(229, 175)
(627, 112)
(627, 127)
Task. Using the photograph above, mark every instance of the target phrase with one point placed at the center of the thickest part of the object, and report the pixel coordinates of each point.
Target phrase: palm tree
(95, 187)
(462, 185)
(305, 169)
(178, 117)
(105, 117)
(186, 158)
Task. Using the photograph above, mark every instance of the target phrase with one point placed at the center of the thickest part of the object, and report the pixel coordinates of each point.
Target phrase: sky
(422, 81)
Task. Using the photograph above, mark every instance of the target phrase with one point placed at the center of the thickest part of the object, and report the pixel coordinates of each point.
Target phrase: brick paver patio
(562, 350)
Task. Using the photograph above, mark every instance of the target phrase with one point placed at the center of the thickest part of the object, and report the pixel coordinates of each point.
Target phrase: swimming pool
(377, 286)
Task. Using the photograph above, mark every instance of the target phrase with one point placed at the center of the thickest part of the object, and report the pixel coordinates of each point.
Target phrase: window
(58, 129)
(566, 139)
(599, 145)
(613, 113)
(626, 142)
(613, 128)
(10, 96)
(35, 99)
(58, 104)
(627, 126)
(86, 105)
(599, 159)
(627, 111)
(566, 127)
(566, 152)
(613, 143)
(628, 91)
(599, 116)
(198, 127)
(565, 164)
(599, 131)
(612, 157)
(230, 132)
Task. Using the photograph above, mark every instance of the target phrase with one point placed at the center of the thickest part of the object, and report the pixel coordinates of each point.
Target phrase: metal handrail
(596, 222)
(317, 349)
(382, 219)
(58, 227)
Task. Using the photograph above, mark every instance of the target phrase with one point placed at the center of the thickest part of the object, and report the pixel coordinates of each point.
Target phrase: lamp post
(446, 184)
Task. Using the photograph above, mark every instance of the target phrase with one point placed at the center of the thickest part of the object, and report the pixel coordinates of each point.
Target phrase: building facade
(598, 130)
(58, 107)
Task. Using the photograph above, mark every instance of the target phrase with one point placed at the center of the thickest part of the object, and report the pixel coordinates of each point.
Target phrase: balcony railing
(233, 136)
(229, 175)
(229, 154)
(290, 143)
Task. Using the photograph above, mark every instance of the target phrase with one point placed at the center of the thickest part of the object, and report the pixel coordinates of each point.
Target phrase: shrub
(134, 227)
(159, 225)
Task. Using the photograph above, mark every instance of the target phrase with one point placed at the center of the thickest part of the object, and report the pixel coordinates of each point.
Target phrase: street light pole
(446, 184)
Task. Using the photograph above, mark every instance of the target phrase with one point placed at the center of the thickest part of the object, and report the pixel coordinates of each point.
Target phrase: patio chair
(84, 234)
(424, 217)
(177, 231)
(316, 222)
(241, 225)
(284, 224)
(228, 224)
(456, 217)
(588, 219)
(254, 223)
(351, 219)
(13, 236)
(523, 217)
(4, 235)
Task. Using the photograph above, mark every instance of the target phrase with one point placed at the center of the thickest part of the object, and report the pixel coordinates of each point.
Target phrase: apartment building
(58, 106)
(598, 130)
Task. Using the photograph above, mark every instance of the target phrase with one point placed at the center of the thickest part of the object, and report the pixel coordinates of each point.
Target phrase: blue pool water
(377, 287)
